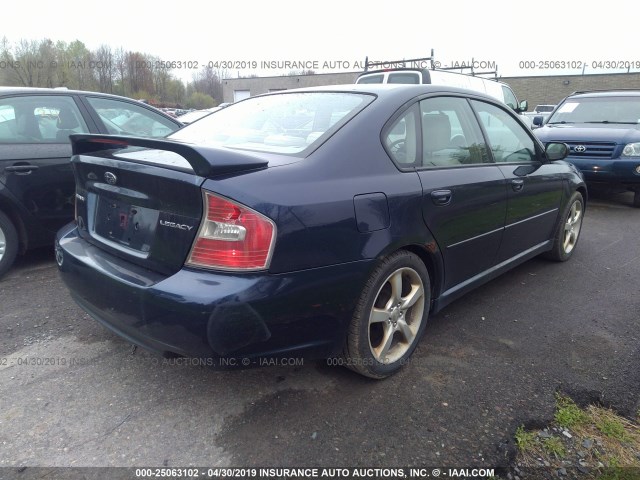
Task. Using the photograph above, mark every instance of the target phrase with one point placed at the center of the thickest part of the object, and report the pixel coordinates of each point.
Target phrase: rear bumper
(213, 314)
(614, 171)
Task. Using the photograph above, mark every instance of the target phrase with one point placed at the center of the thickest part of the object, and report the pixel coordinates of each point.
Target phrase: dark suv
(602, 129)
(37, 187)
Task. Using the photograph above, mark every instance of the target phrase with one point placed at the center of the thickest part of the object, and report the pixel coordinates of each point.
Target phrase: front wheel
(8, 243)
(390, 317)
(568, 229)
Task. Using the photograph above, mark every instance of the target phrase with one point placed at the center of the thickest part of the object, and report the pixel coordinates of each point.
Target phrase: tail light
(232, 237)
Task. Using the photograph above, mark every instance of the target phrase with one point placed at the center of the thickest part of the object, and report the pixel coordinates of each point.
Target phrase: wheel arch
(582, 189)
(433, 261)
(6, 208)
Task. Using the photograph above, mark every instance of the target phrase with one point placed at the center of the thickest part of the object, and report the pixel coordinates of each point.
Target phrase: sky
(251, 36)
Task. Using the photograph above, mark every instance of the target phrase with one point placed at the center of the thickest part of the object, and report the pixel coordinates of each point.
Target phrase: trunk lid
(140, 199)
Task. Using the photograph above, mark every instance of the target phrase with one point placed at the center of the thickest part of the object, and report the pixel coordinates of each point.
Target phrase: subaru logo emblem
(580, 149)
(110, 178)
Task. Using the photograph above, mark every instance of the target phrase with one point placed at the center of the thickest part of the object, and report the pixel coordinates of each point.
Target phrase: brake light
(232, 237)
(109, 141)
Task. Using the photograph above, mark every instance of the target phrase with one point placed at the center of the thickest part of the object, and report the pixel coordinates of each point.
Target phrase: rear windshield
(377, 78)
(623, 109)
(287, 123)
(404, 77)
(544, 108)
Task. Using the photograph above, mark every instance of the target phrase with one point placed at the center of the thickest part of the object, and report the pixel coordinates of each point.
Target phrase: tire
(636, 198)
(390, 316)
(8, 244)
(568, 230)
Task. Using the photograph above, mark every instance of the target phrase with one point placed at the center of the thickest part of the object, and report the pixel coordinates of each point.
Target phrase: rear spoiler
(205, 161)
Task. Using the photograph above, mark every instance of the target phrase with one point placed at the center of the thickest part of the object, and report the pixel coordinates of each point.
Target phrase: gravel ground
(489, 362)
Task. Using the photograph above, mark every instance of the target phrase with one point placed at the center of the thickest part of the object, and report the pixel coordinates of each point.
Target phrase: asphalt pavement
(74, 394)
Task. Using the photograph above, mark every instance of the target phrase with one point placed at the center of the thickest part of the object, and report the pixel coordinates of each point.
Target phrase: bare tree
(209, 81)
(120, 59)
(103, 64)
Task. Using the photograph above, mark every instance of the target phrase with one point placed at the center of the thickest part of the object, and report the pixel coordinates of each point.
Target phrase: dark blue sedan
(325, 222)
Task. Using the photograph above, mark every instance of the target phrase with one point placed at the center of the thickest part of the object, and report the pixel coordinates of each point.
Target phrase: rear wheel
(568, 230)
(636, 198)
(390, 317)
(8, 243)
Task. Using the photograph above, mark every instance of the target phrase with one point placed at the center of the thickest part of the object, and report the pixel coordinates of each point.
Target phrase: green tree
(175, 92)
(73, 69)
(199, 101)
(45, 63)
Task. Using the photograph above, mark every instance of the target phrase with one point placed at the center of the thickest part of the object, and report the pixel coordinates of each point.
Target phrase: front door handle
(441, 197)
(517, 184)
(21, 168)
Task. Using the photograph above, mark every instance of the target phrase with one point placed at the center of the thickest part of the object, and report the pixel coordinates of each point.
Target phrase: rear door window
(451, 136)
(39, 119)
(124, 118)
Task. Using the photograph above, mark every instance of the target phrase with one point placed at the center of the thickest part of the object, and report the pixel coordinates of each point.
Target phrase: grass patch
(524, 440)
(593, 438)
(554, 446)
(612, 428)
(568, 414)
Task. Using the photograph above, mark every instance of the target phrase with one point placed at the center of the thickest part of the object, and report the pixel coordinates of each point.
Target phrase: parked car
(602, 129)
(191, 117)
(527, 119)
(36, 182)
(313, 222)
(544, 108)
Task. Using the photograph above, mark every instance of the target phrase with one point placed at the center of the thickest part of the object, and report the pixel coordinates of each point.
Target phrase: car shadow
(609, 197)
(35, 259)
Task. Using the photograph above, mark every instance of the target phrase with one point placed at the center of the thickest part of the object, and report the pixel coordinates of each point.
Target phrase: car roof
(398, 69)
(632, 92)
(9, 91)
(57, 91)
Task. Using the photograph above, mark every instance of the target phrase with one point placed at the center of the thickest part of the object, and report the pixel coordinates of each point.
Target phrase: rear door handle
(441, 197)
(21, 168)
(517, 184)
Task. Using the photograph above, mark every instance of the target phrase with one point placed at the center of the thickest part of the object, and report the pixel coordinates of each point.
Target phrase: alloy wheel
(396, 315)
(3, 244)
(572, 227)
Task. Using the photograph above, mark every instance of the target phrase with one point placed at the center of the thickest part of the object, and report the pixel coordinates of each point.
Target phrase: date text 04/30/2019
(578, 64)
(299, 473)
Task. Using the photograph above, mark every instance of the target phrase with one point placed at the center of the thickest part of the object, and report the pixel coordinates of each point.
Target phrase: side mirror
(524, 106)
(556, 151)
(537, 120)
